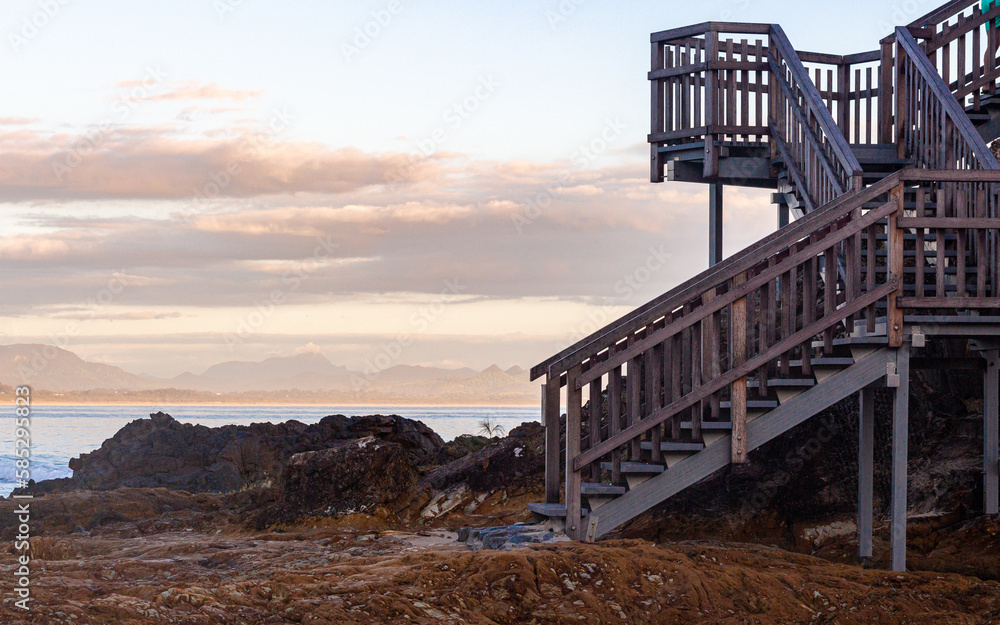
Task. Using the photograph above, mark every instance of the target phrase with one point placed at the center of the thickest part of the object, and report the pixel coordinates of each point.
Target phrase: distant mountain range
(61, 371)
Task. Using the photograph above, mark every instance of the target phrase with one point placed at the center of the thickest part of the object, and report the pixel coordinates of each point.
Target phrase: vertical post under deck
(783, 217)
(866, 470)
(714, 223)
(900, 457)
(991, 433)
(550, 416)
(574, 416)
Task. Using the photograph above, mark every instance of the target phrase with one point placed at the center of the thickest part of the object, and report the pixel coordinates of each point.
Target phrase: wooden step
(601, 490)
(822, 361)
(854, 341)
(636, 468)
(542, 511)
(786, 382)
(712, 426)
(753, 404)
(675, 447)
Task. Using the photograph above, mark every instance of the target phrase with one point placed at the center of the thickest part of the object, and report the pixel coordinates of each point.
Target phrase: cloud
(195, 90)
(156, 163)
(125, 316)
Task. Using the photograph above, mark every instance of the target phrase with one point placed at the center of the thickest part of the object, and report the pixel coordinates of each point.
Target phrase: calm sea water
(63, 432)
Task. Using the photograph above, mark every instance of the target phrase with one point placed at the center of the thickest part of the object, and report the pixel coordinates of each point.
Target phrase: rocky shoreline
(357, 519)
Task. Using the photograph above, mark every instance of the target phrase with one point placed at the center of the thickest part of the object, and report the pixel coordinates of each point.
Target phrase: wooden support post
(783, 215)
(843, 91)
(574, 408)
(900, 97)
(711, 168)
(715, 223)
(885, 95)
(900, 458)
(550, 417)
(739, 390)
(894, 316)
(991, 433)
(866, 470)
(658, 121)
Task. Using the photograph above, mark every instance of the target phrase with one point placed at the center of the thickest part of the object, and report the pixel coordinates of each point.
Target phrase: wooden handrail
(714, 276)
(815, 103)
(942, 13)
(737, 28)
(906, 42)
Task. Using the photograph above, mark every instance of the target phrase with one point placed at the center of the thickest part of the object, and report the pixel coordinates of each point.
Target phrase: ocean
(59, 433)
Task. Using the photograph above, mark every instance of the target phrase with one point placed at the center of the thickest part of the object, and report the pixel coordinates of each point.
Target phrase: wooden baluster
(615, 413)
(961, 211)
(574, 397)
(595, 426)
(977, 70)
(697, 410)
(654, 365)
(634, 389)
(745, 88)
(769, 318)
(810, 297)
(869, 96)
(921, 211)
(981, 263)
(709, 354)
(676, 387)
(787, 315)
(940, 246)
(830, 291)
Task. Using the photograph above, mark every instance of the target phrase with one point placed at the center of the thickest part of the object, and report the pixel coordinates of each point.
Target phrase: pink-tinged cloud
(196, 90)
(154, 163)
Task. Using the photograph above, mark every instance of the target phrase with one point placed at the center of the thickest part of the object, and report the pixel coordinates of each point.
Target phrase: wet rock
(162, 452)
(356, 477)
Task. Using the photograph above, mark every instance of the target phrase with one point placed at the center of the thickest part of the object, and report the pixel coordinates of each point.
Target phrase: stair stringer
(716, 456)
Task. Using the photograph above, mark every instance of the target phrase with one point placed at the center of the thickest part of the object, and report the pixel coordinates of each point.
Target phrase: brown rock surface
(335, 577)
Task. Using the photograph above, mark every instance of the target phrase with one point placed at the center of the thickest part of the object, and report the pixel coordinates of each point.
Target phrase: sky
(189, 182)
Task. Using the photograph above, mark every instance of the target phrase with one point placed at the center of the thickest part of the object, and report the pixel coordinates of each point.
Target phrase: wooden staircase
(897, 238)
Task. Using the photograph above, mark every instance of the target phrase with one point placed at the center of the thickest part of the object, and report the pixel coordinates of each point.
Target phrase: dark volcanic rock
(513, 461)
(162, 452)
(355, 477)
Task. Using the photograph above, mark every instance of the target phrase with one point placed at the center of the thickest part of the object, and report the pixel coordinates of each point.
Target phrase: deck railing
(719, 82)
(962, 49)
(851, 87)
(932, 128)
(928, 242)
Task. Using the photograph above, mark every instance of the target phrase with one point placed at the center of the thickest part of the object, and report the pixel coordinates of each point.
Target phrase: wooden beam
(866, 471)
(894, 316)
(900, 458)
(715, 219)
(991, 434)
(738, 409)
(553, 446)
(574, 398)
